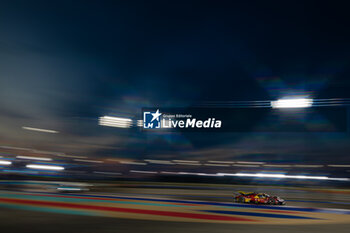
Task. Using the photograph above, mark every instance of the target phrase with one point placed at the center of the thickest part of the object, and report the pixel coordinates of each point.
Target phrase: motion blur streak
(139, 123)
(292, 103)
(245, 165)
(159, 161)
(308, 165)
(132, 163)
(4, 162)
(244, 162)
(115, 122)
(146, 172)
(262, 175)
(277, 165)
(213, 161)
(186, 161)
(40, 130)
(126, 98)
(45, 167)
(33, 158)
(217, 165)
(88, 161)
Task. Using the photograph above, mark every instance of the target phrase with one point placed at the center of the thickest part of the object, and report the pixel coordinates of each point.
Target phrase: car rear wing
(245, 193)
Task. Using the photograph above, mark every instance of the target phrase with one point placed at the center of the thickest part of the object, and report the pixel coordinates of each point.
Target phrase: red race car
(258, 198)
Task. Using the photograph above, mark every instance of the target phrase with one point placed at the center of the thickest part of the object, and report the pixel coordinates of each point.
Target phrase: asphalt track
(171, 209)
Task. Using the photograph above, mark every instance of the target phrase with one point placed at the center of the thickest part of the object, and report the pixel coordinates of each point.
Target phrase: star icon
(156, 115)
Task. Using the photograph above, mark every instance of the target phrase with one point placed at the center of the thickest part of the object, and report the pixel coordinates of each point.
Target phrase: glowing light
(70, 189)
(45, 167)
(4, 162)
(140, 123)
(265, 175)
(115, 122)
(40, 130)
(292, 103)
(259, 175)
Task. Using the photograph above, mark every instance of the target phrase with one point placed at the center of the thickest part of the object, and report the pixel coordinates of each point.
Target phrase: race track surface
(175, 209)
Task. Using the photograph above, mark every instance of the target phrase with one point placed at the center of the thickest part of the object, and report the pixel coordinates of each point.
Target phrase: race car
(259, 198)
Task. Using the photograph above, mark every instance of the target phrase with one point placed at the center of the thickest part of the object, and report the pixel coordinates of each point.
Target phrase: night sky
(63, 64)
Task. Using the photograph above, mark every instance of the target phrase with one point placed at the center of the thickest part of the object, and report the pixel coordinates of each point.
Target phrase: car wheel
(241, 199)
